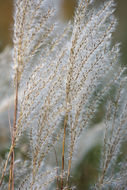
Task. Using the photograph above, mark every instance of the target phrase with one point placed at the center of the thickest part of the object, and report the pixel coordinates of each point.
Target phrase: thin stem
(11, 152)
(16, 105)
(63, 148)
(6, 163)
(11, 177)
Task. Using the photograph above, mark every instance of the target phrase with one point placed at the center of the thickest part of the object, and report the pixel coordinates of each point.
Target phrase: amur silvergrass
(59, 67)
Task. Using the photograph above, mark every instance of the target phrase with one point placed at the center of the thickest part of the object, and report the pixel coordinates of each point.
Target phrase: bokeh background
(87, 169)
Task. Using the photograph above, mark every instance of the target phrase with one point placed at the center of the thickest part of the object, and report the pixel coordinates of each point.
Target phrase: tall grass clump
(64, 71)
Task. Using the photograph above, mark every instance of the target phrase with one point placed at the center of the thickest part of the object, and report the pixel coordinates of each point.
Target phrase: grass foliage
(65, 71)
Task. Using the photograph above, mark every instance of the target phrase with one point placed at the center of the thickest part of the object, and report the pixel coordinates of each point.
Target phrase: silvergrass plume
(59, 67)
